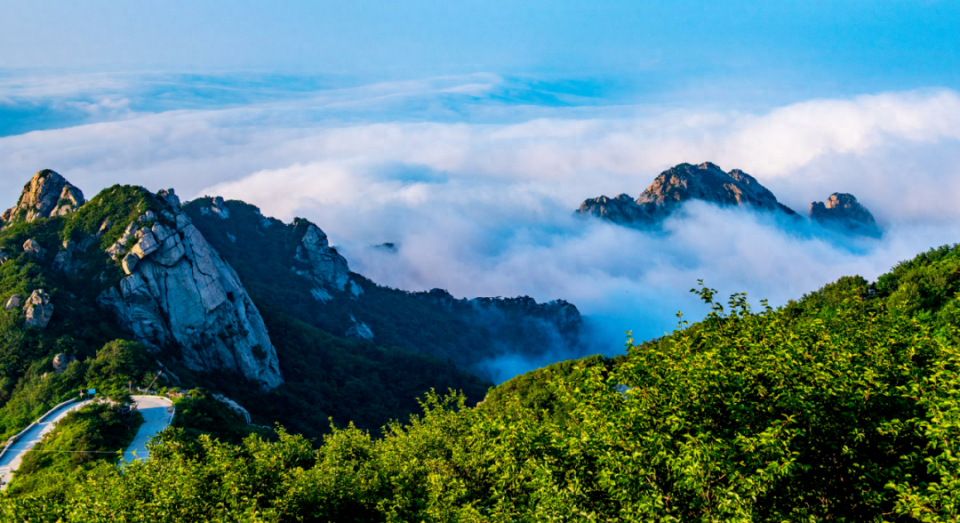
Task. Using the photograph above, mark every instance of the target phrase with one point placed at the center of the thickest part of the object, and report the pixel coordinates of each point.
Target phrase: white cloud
(486, 208)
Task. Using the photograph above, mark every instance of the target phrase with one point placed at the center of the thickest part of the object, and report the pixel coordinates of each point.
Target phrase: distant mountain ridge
(708, 182)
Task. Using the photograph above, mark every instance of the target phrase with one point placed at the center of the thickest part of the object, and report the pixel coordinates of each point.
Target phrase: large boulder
(34, 249)
(180, 292)
(38, 309)
(14, 302)
(60, 362)
(46, 194)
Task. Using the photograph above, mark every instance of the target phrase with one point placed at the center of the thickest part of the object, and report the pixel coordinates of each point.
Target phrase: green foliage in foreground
(346, 381)
(844, 409)
(199, 413)
(81, 440)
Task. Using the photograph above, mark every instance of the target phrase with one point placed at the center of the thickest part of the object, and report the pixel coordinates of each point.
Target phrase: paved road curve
(157, 414)
(11, 459)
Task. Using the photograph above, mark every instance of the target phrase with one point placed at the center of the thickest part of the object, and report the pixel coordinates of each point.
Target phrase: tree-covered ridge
(264, 252)
(842, 406)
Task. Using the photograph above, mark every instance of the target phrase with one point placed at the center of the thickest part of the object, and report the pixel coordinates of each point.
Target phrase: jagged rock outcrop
(46, 194)
(324, 265)
(60, 362)
(38, 309)
(179, 291)
(685, 182)
(34, 249)
(170, 196)
(842, 211)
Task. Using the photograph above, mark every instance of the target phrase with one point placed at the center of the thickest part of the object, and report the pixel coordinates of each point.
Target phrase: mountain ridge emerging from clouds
(709, 183)
(291, 266)
(221, 297)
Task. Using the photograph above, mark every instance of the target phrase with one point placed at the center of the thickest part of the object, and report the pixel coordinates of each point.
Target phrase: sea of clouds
(476, 184)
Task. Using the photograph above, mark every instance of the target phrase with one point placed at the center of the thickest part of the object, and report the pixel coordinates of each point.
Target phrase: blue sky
(806, 46)
(162, 56)
(467, 132)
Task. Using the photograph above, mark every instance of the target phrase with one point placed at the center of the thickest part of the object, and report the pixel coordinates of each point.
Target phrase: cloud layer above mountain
(475, 179)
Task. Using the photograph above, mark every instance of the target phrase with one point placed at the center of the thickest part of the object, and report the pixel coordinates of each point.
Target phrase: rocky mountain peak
(175, 291)
(709, 183)
(46, 194)
(843, 211)
(684, 182)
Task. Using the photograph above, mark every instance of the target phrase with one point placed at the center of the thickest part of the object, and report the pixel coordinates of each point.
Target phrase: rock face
(180, 292)
(325, 265)
(682, 183)
(38, 309)
(842, 211)
(46, 194)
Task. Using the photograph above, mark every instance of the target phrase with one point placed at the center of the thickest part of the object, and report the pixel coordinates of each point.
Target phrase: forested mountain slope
(132, 288)
(840, 406)
(130, 267)
(292, 267)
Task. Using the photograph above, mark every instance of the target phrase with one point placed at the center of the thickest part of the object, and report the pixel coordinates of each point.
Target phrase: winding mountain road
(157, 415)
(11, 458)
